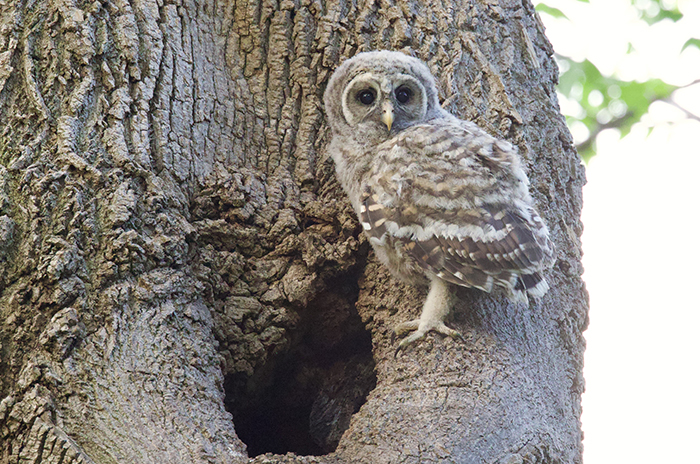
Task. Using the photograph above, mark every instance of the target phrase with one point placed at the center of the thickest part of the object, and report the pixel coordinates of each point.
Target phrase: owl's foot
(420, 329)
(435, 310)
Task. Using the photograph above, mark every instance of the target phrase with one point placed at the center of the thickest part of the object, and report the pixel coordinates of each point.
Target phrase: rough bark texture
(178, 261)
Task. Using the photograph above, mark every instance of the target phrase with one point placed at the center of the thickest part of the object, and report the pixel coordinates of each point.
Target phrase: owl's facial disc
(408, 99)
(377, 101)
(361, 98)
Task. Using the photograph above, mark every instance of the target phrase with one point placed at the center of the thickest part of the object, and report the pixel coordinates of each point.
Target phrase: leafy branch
(605, 102)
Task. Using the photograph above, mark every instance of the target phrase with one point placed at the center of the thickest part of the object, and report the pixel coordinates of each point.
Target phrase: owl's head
(374, 95)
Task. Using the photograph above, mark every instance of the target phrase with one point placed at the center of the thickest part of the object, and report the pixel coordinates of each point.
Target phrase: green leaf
(630, 100)
(551, 11)
(663, 14)
(653, 16)
(674, 15)
(691, 43)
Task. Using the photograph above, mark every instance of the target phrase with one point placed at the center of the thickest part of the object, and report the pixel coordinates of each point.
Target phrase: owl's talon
(406, 327)
(422, 331)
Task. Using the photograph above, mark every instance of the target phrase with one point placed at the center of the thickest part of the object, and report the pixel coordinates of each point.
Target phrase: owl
(441, 201)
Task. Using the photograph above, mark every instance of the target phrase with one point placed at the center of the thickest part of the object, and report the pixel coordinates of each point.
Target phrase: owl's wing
(472, 227)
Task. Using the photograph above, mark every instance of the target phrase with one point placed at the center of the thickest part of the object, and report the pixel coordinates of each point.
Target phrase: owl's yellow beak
(387, 115)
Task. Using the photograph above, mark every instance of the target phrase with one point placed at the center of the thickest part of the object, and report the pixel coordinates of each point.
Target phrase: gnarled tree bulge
(182, 279)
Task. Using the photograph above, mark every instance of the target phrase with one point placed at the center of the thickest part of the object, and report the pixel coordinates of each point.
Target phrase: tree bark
(179, 266)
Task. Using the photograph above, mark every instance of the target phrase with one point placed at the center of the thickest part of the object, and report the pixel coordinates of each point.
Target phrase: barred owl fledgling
(438, 197)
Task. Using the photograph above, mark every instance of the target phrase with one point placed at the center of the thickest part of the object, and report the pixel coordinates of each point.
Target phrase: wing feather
(464, 215)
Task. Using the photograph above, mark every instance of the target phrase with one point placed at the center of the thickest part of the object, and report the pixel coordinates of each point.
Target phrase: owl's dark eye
(403, 94)
(366, 97)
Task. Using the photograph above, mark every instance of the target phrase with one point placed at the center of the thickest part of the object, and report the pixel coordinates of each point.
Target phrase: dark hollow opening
(301, 401)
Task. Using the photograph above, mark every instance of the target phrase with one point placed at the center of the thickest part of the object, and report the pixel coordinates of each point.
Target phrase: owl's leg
(435, 310)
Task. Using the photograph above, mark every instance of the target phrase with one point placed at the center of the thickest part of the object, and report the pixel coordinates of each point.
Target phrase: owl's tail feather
(534, 284)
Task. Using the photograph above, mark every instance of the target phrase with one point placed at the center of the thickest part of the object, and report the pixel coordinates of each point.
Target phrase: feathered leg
(435, 310)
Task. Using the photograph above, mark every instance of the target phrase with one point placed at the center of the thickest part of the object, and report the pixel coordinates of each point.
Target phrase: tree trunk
(180, 268)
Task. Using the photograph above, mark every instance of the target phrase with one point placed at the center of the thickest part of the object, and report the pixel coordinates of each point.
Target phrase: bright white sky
(642, 223)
